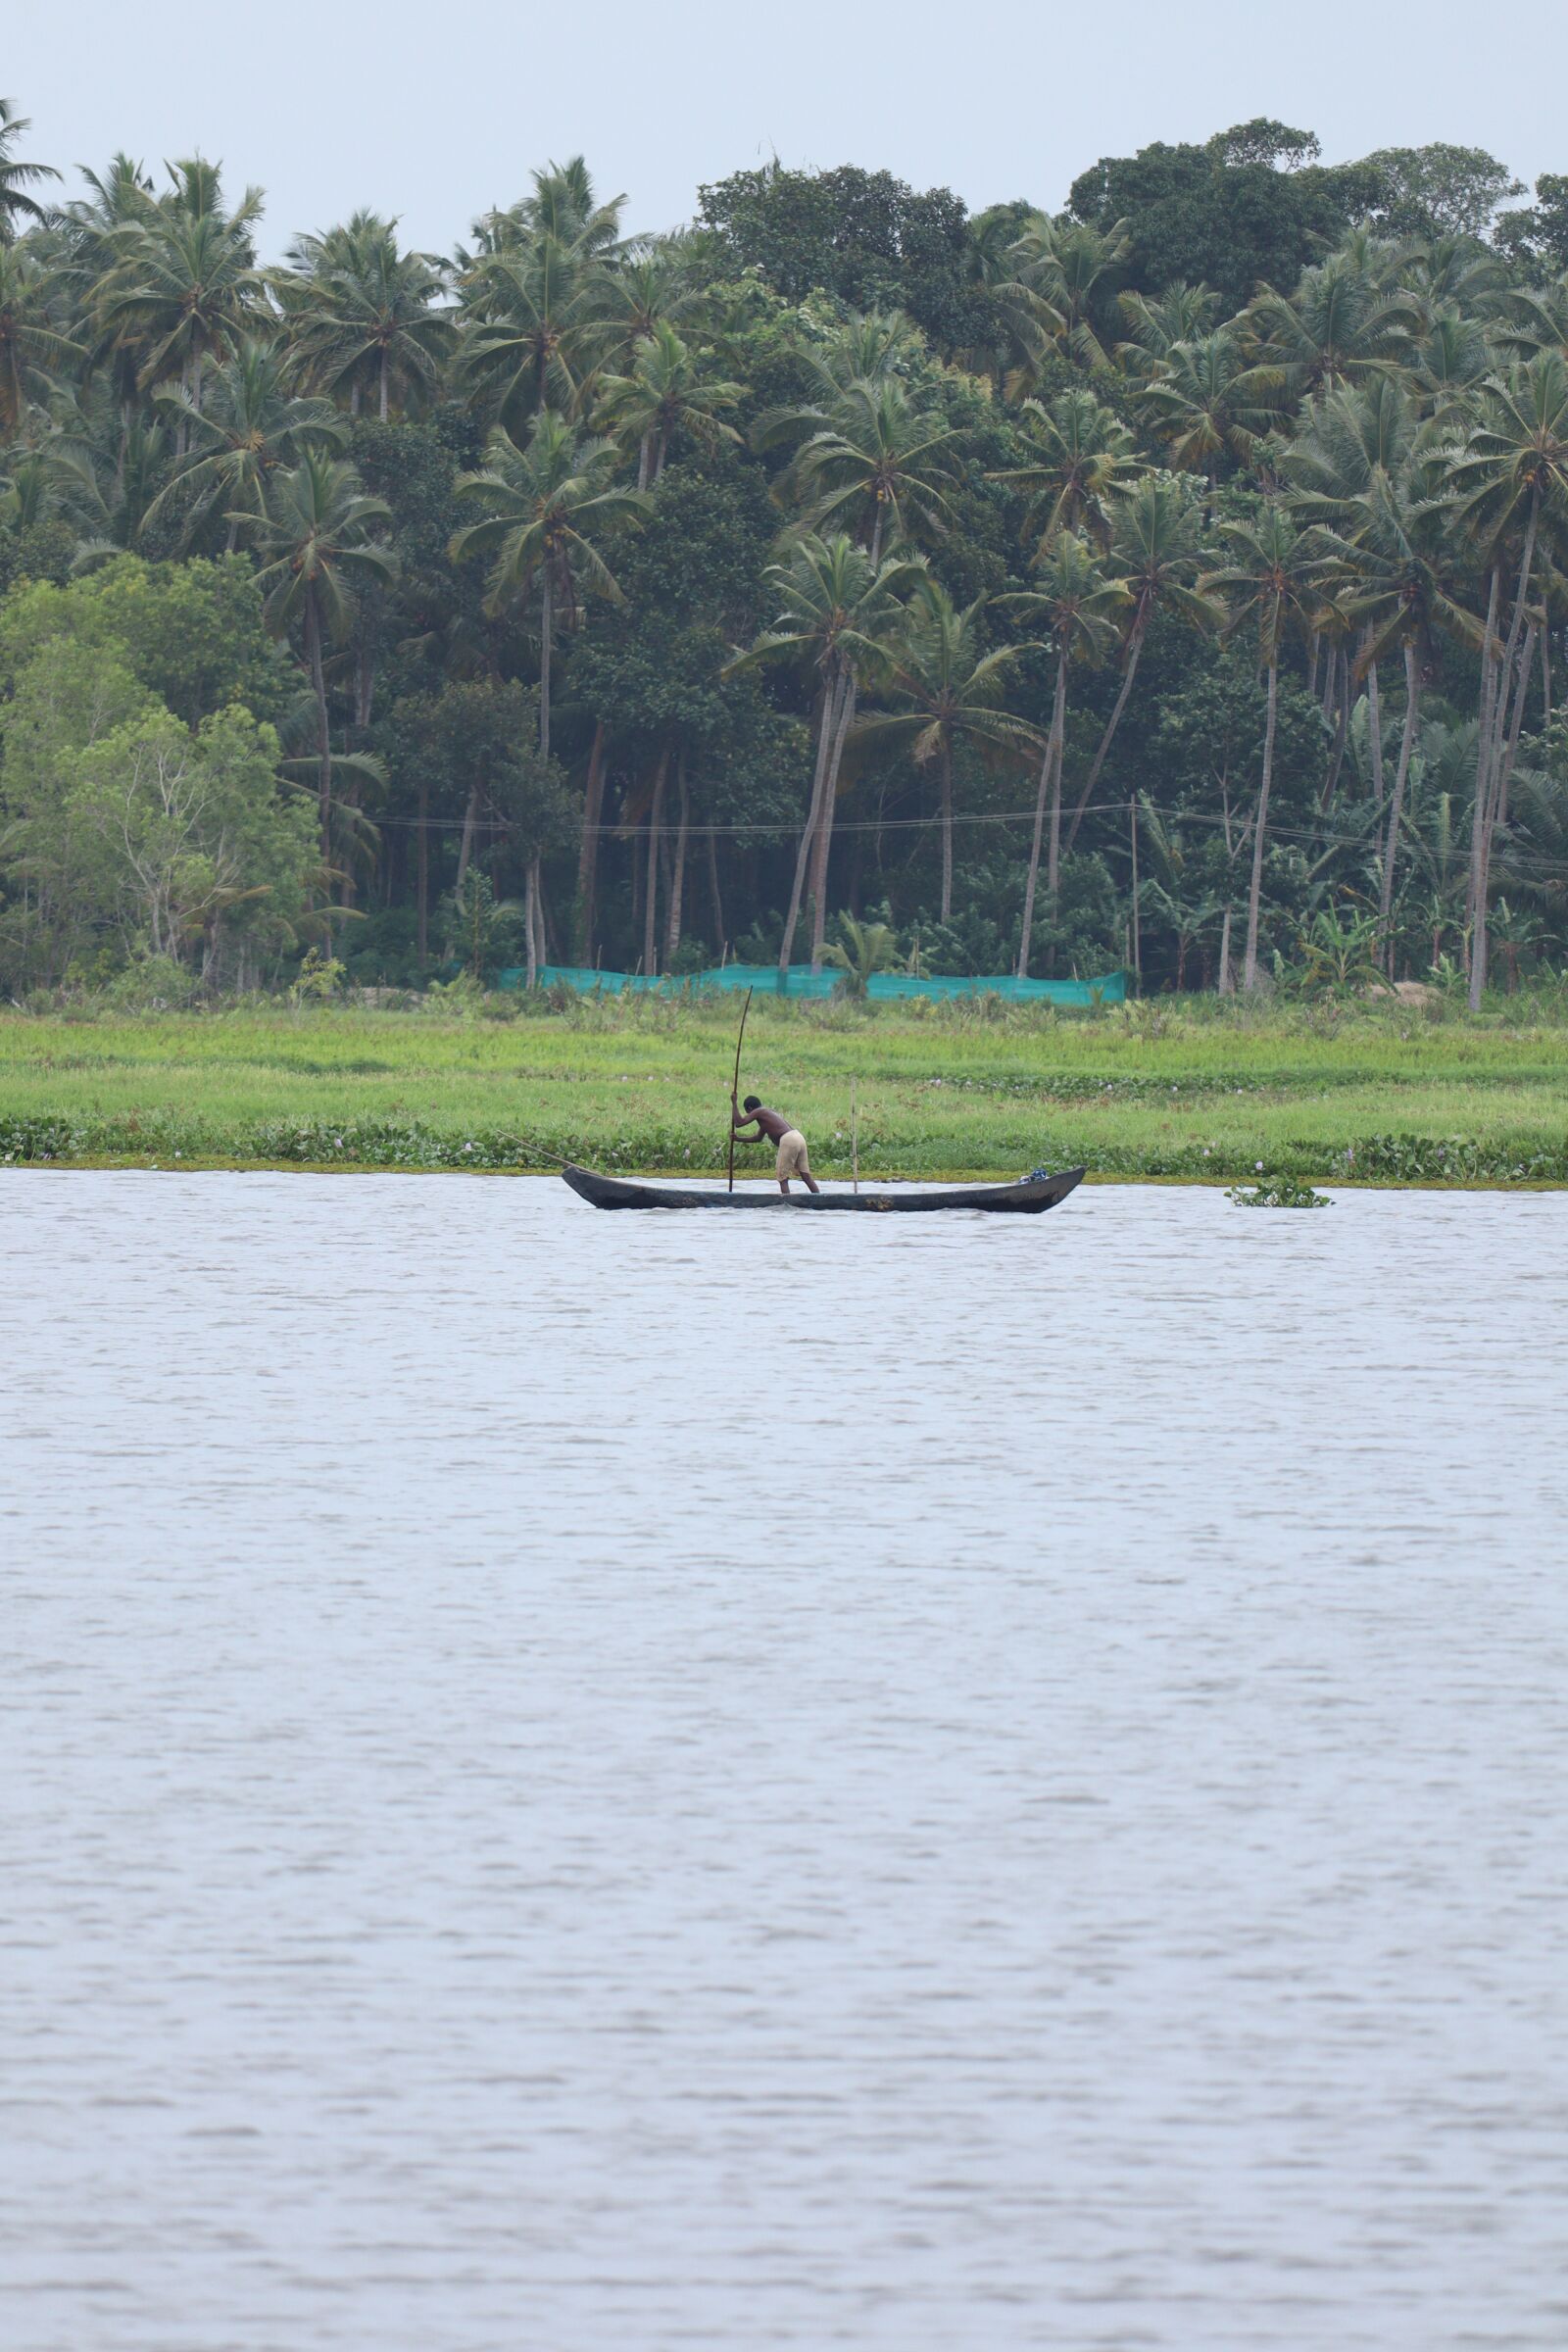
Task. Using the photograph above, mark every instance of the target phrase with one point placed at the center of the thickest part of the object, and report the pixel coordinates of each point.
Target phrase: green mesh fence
(802, 981)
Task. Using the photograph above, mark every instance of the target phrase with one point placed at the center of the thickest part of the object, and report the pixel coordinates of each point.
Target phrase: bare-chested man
(792, 1160)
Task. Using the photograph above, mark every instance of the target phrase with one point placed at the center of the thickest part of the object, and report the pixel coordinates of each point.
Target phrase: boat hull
(1027, 1199)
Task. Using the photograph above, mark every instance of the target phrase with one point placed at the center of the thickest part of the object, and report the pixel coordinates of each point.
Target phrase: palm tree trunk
(1412, 706)
(947, 827)
(1339, 675)
(593, 802)
(1254, 896)
(536, 876)
(470, 816)
(824, 825)
(384, 384)
(1489, 800)
(1483, 742)
(677, 882)
(323, 739)
(1134, 646)
(547, 616)
(422, 935)
(1227, 978)
(527, 924)
(1047, 769)
(1059, 746)
(1373, 730)
(1526, 663)
(826, 726)
(1478, 811)
(655, 820)
(645, 459)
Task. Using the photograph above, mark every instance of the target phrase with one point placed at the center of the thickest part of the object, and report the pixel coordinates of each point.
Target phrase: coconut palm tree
(51, 482)
(117, 489)
(1352, 437)
(87, 230)
(315, 543)
(529, 331)
(1274, 580)
(1530, 319)
(878, 463)
(1200, 405)
(1156, 554)
(1454, 273)
(1399, 566)
(362, 317)
(953, 691)
(838, 615)
(656, 282)
(548, 502)
(1156, 323)
(15, 176)
(1075, 608)
(1341, 326)
(1082, 454)
(35, 356)
(667, 393)
(870, 348)
(249, 430)
(533, 298)
(1349, 438)
(1509, 478)
(1062, 291)
(1446, 365)
(183, 287)
(119, 194)
(565, 204)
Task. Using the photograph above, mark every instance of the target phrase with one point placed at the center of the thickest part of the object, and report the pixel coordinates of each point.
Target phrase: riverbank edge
(183, 1165)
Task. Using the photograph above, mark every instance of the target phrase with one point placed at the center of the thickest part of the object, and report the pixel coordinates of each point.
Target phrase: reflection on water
(622, 1782)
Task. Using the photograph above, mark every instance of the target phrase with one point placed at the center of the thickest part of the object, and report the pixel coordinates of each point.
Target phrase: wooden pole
(855, 1138)
(734, 1091)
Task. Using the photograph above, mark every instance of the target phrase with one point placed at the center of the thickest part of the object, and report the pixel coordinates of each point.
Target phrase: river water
(622, 1783)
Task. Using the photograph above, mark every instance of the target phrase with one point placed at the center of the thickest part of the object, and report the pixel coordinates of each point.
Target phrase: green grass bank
(1334, 1092)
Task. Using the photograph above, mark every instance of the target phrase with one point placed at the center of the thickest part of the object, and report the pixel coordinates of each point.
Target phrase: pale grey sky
(435, 112)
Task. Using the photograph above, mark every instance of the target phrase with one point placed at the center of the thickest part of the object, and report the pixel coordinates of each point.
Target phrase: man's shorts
(792, 1160)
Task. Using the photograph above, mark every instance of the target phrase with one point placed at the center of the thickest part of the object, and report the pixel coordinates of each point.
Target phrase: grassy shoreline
(1190, 1093)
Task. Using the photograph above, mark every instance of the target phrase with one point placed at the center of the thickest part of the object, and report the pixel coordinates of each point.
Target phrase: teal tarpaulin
(802, 981)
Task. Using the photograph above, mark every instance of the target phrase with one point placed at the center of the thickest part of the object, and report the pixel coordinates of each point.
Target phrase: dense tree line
(1174, 578)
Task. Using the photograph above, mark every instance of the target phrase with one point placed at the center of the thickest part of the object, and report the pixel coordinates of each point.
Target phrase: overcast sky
(436, 113)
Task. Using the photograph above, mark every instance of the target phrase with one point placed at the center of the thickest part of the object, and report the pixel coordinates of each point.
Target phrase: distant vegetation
(1173, 579)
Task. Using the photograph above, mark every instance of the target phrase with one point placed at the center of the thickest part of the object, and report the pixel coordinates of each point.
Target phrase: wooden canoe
(1025, 1200)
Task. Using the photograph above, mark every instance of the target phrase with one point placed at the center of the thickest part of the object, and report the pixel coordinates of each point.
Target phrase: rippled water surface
(618, 1783)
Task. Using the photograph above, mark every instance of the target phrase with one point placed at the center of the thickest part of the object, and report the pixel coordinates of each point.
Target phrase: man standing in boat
(776, 1129)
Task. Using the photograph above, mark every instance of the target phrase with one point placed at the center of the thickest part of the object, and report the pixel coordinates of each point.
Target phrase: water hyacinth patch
(1279, 1192)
